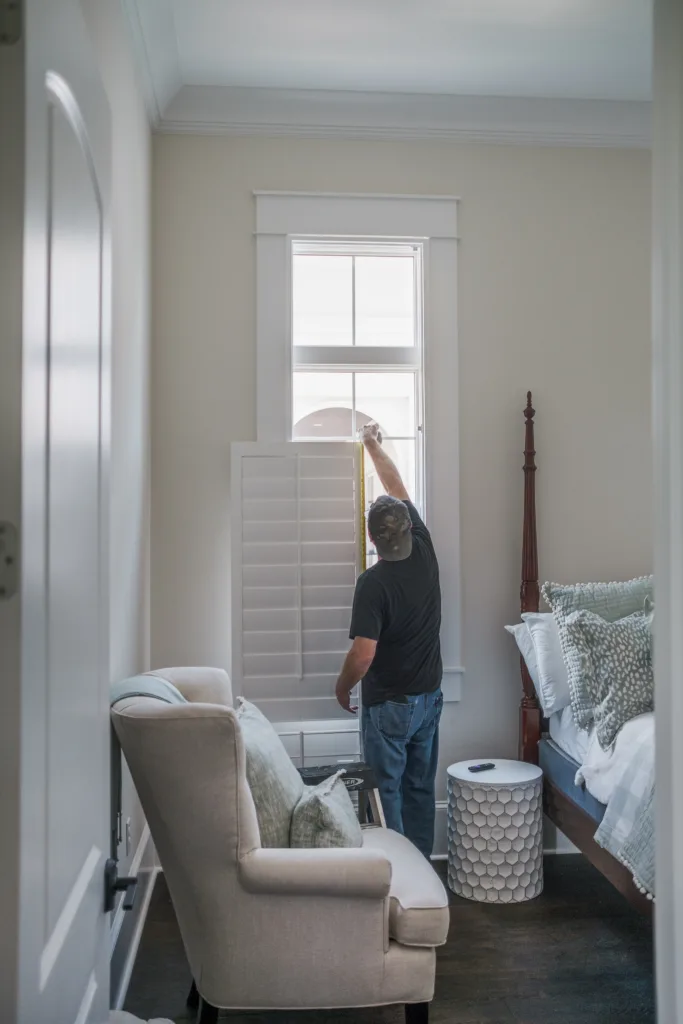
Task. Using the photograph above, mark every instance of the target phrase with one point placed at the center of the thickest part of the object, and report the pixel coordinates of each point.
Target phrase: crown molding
(151, 28)
(204, 110)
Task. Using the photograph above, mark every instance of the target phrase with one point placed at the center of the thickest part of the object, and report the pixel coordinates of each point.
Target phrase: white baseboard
(441, 831)
(144, 852)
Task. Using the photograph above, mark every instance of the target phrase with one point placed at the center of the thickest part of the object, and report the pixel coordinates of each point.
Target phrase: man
(396, 651)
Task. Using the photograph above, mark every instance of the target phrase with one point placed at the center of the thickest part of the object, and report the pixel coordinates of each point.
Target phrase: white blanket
(623, 778)
(602, 770)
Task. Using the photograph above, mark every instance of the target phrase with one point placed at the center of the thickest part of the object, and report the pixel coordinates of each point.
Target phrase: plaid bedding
(627, 829)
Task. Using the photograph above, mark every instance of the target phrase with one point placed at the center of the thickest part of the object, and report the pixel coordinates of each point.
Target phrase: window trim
(284, 217)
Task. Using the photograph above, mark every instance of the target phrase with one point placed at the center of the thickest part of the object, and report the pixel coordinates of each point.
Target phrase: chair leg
(207, 1014)
(193, 997)
(417, 1013)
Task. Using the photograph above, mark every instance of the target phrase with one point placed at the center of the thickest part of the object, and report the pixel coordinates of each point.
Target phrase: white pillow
(553, 690)
(526, 649)
(538, 640)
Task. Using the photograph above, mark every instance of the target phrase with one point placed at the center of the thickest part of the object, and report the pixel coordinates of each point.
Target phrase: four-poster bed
(565, 813)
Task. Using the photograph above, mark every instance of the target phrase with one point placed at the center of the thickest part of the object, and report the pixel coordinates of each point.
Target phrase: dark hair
(390, 525)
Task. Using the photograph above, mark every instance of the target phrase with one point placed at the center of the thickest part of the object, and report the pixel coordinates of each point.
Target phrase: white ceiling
(555, 72)
(579, 49)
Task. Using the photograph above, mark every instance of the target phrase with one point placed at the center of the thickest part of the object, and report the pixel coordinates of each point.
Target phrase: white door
(64, 838)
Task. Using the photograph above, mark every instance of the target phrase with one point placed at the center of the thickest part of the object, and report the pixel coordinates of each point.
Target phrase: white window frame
(374, 359)
(430, 222)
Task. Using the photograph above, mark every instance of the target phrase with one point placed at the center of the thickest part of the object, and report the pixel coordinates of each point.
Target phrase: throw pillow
(325, 816)
(538, 641)
(526, 649)
(611, 601)
(552, 671)
(275, 784)
(649, 613)
(616, 668)
(145, 685)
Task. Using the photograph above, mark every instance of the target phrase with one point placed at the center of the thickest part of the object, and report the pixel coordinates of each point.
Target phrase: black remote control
(481, 767)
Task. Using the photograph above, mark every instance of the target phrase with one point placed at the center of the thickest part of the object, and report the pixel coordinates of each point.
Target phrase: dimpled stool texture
(495, 832)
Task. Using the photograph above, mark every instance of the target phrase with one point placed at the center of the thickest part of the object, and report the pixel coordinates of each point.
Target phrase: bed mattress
(568, 736)
(598, 771)
(560, 769)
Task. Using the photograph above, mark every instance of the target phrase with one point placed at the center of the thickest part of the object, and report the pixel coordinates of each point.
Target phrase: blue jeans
(401, 745)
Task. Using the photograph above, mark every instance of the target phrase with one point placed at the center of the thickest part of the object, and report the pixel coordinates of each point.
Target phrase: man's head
(389, 526)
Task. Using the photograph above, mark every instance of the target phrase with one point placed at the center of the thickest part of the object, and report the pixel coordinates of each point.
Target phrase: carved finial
(529, 412)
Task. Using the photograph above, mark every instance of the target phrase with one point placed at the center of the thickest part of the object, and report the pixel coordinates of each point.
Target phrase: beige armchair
(272, 928)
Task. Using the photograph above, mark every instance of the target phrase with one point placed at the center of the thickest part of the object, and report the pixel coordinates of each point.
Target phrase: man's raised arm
(386, 468)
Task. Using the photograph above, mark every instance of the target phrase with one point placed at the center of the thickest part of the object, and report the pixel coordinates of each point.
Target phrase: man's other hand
(343, 696)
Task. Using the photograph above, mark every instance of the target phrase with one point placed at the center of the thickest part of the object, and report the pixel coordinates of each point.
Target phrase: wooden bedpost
(529, 712)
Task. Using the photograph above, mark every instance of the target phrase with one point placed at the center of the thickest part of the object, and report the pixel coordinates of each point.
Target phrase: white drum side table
(495, 831)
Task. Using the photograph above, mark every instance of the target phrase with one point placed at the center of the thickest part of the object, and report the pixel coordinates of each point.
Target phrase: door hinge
(9, 556)
(10, 22)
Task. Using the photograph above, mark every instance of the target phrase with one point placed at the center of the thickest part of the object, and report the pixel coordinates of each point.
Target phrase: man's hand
(343, 696)
(357, 662)
(370, 432)
(389, 476)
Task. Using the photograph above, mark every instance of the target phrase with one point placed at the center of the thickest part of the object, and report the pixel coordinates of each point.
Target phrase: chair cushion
(276, 786)
(418, 904)
(325, 816)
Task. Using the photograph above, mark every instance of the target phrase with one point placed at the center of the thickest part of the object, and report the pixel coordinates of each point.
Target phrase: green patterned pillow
(616, 668)
(611, 601)
(275, 784)
(325, 816)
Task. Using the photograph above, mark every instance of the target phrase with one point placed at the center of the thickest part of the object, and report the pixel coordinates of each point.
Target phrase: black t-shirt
(398, 604)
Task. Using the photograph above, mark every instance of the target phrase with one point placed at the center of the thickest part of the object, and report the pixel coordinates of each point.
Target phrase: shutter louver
(296, 547)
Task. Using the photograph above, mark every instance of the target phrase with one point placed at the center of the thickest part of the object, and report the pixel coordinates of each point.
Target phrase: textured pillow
(552, 671)
(649, 612)
(325, 816)
(616, 668)
(275, 784)
(611, 601)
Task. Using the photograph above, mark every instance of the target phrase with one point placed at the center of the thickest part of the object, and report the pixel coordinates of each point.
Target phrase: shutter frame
(293, 575)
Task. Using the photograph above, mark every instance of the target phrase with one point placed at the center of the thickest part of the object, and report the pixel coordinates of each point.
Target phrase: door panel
(74, 732)
(63, 968)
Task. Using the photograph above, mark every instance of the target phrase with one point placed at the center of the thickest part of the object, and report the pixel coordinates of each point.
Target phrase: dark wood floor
(577, 955)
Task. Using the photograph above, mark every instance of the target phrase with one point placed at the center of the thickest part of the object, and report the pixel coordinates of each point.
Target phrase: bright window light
(357, 349)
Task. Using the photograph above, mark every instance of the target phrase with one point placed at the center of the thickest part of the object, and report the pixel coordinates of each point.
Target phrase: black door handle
(129, 887)
(113, 884)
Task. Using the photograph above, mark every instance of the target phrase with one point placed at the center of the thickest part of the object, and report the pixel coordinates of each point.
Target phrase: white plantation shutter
(296, 548)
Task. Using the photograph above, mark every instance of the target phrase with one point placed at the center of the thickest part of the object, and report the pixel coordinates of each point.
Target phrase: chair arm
(320, 872)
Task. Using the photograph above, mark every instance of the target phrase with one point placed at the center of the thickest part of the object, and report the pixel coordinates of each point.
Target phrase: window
(357, 349)
(356, 319)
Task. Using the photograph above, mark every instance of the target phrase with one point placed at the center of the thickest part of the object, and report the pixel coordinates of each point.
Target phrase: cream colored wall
(129, 482)
(554, 296)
